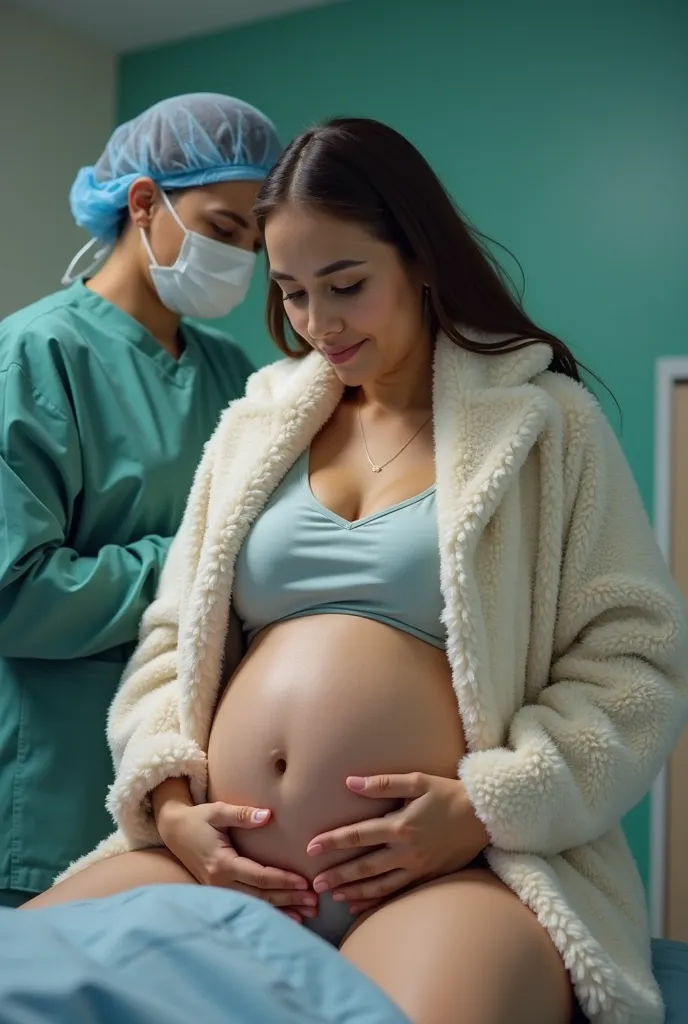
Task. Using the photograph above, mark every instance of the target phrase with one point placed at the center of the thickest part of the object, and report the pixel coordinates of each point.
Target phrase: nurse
(107, 397)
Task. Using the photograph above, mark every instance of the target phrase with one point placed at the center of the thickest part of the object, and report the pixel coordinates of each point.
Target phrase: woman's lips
(342, 355)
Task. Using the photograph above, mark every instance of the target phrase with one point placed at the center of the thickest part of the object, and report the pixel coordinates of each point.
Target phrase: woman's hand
(434, 833)
(197, 836)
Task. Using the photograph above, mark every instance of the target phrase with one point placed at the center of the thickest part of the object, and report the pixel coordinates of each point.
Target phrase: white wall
(57, 104)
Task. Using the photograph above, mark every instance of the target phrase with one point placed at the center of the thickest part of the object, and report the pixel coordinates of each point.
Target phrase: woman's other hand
(434, 833)
(197, 835)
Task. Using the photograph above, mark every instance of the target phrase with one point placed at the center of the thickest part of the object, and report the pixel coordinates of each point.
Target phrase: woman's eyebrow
(331, 268)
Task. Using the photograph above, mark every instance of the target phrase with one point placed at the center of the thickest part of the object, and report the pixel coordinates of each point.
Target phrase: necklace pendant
(377, 469)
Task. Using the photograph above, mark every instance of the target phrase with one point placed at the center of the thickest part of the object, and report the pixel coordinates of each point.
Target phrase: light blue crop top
(300, 559)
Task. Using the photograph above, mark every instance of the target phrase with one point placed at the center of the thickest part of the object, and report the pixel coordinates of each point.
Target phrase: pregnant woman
(415, 652)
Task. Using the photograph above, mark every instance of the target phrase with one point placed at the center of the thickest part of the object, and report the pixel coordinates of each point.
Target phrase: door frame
(668, 372)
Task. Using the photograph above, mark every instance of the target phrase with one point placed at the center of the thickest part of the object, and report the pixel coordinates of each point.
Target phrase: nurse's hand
(197, 835)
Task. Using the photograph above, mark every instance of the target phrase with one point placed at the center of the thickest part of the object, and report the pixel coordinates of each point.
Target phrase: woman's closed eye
(351, 289)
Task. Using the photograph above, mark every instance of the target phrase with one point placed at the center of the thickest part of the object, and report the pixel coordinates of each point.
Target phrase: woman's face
(222, 211)
(346, 293)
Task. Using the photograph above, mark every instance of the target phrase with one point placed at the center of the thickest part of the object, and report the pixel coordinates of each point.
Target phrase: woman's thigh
(463, 948)
(116, 874)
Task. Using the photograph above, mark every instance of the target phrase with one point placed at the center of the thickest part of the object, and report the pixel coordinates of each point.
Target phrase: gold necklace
(378, 467)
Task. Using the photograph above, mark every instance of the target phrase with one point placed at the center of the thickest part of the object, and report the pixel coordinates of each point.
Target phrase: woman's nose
(323, 324)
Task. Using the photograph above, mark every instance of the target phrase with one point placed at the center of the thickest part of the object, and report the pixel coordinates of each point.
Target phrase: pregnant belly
(318, 699)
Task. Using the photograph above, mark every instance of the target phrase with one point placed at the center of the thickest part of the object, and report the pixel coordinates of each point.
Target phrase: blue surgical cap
(185, 141)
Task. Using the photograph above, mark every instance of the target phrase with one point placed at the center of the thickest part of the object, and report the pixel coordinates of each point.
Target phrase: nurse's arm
(55, 603)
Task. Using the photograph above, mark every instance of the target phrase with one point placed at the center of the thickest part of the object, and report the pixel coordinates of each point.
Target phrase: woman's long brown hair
(363, 171)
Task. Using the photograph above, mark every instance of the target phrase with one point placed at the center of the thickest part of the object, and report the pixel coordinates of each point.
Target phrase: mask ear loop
(69, 277)
(171, 209)
(144, 236)
(147, 247)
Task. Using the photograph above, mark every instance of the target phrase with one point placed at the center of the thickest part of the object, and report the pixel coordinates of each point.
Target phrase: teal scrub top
(101, 431)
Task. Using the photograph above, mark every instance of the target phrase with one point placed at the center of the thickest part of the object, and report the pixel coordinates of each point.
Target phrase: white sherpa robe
(566, 639)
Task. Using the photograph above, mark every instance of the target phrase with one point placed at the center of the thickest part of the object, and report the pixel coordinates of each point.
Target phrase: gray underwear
(333, 920)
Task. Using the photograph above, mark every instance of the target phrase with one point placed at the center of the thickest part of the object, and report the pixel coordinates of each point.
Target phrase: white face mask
(207, 280)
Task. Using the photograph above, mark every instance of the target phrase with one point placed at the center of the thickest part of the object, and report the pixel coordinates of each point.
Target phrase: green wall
(561, 130)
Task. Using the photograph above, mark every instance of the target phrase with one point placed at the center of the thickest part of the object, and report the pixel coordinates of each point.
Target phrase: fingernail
(320, 887)
(338, 897)
(260, 815)
(355, 782)
(315, 850)
(301, 884)
(310, 901)
(309, 912)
